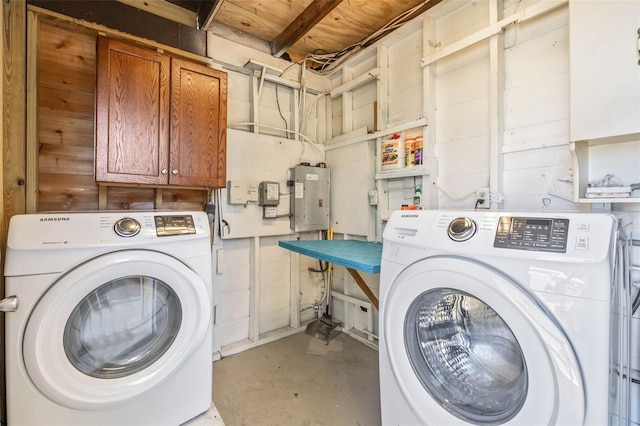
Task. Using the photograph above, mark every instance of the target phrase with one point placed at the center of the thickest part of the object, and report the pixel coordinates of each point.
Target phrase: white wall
(497, 114)
(533, 112)
(254, 276)
(501, 119)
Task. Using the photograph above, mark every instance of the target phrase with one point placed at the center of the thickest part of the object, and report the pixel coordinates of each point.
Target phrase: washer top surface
(53, 242)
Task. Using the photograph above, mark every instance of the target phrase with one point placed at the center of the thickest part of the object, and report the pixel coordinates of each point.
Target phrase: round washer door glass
(122, 327)
(113, 328)
(466, 356)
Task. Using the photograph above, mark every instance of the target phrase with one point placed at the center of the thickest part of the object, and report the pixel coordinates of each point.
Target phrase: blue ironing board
(359, 255)
(352, 254)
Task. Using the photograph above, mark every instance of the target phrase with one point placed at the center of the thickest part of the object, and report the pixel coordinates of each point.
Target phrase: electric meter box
(310, 198)
(269, 194)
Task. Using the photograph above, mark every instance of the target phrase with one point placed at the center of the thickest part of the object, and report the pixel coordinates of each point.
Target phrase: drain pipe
(636, 302)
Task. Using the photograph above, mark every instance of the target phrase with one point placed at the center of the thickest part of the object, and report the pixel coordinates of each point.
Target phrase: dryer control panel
(174, 225)
(532, 233)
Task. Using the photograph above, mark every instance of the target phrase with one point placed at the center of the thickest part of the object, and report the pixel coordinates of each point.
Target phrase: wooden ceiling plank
(301, 25)
(166, 10)
(354, 23)
(242, 19)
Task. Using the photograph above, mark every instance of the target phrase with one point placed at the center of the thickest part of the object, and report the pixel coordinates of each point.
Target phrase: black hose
(322, 268)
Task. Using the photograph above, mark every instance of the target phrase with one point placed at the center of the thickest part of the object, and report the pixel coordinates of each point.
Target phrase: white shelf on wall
(609, 200)
(421, 122)
(426, 172)
(420, 170)
(622, 152)
(404, 172)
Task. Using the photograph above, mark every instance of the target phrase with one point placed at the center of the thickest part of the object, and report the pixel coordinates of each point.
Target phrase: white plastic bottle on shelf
(409, 151)
(418, 156)
(417, 197)
(392, 149)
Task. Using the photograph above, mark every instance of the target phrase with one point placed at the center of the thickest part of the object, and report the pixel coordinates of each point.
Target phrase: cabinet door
(605, 73)
(132, 129)
(198, 125)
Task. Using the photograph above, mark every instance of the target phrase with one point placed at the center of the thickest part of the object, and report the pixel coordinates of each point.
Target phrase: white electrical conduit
(493, 29)
(236, 125)
(622, 280)
(313, 144)
(303, 127)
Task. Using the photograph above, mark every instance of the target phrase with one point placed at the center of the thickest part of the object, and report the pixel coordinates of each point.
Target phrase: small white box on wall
(237, 192)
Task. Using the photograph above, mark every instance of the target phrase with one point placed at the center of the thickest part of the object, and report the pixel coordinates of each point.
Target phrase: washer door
(113, 328)
(468, 345)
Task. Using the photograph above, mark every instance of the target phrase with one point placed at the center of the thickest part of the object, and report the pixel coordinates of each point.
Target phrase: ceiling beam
(207, 11)
(313, 14)
(428, 4)
(131, 20)
(165, 9)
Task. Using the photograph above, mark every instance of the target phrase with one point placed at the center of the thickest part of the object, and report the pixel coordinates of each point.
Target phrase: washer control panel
(532, 233)
(174, 225)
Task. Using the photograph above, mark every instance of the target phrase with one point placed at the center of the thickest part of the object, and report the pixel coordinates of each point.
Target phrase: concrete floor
(299, 380)
(210, 418)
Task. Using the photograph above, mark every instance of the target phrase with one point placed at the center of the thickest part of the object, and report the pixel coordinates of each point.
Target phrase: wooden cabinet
(604, 69)
(198, 125)
(160, 120)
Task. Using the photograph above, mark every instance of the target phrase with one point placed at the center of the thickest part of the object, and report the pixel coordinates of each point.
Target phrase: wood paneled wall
(66, 95)
(66, 70)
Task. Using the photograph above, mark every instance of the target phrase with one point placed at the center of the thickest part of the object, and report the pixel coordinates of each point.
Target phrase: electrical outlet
(482, 198)
(495, 198)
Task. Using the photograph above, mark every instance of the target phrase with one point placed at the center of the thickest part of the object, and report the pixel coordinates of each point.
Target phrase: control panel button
(127, 227)
(583, 227)
(461, 229)
(582, 243)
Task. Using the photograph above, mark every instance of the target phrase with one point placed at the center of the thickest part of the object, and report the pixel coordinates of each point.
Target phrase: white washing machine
(109, 318)
(496, 318)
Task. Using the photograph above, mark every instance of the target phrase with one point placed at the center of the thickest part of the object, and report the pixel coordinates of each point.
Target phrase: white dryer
(110, 318)
(496, 318)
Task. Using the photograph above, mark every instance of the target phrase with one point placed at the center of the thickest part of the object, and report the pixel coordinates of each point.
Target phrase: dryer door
(113, 328)
(468, 345)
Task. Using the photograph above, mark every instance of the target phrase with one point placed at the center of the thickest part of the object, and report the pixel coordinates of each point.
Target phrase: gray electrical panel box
(269, 194)
(310, 198)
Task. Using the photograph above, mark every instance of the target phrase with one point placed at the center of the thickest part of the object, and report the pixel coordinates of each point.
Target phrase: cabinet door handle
(164, 171)
(174, 171)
